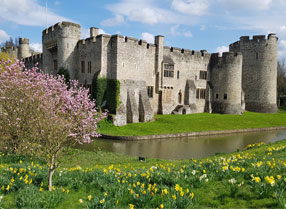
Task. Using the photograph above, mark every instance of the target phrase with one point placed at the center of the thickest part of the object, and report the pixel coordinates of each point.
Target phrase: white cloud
(188, 34)
(28, 12)
(202, 27)
(145, 11)
(117, 20)
(282, 44)
(191, 7)
(222, 49)
(148, 37)
(57, 3)
(246, 4)
(37, 47)
(3, 36)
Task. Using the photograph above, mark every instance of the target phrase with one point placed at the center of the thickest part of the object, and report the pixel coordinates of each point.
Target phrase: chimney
(94, 31)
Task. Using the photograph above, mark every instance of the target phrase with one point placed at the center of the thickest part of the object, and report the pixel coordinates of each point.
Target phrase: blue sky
(190, 24)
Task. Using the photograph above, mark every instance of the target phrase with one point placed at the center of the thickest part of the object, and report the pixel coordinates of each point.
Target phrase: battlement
(23, 41)
(201, 53)
(60, 25)
(257, 38)
(226, 58)
(35, 57)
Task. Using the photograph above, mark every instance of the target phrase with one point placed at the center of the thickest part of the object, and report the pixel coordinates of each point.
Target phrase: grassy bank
(165, 124)
(254, 178)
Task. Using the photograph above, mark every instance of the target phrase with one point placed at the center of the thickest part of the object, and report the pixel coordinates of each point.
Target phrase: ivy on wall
(106, 93)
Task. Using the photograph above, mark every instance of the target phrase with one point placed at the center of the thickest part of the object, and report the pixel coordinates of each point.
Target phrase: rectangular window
(201, 93)
(56, 65)
(178, 74)
(150, 91)
(198, 93)
(89, 67)
(225, 96)
(82, 67)
(169, 71)
(216, 96)
(203, 75)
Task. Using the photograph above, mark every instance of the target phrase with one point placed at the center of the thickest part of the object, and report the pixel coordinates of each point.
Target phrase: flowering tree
(41, 116)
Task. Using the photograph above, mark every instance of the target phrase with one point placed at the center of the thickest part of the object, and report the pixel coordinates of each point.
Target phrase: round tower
(259, 72)
(24, 50)
(225, 78)
(59, 47)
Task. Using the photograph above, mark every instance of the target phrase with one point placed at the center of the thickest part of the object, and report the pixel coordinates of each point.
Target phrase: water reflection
(185, 148)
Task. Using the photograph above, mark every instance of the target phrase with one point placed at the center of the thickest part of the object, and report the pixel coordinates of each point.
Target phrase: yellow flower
(12, 180)
(161, 206)
(144, 192)
(192, 195)
(137, 195)
(257, 179)
(165, 191)
(131, 191)
(80, 201)
(53, 188)
(177, 187)
(174, 197)
(89, 197)
(30, 181)
(68, 191)
(41, 189)
(42, 184)
(243, 169)
(278, 177)
(182, 193)
(8, 188)
(117, 202)
(105, 194)
(138, 183)
(102, 201)
(131, 206)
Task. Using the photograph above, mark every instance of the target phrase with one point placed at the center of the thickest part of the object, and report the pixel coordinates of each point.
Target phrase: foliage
(4, 58)
(254, 178)
(281, 77)
(165, 124)
(64, 72)
(106, 93)
(40, 116)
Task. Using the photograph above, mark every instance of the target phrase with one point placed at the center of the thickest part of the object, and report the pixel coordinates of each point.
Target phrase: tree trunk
(51, 173)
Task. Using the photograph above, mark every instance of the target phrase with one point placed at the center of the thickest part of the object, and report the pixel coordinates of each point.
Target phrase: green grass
(165, 124)
(99, 175)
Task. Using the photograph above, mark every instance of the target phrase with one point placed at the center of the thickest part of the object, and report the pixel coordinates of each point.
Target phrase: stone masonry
(158, 79)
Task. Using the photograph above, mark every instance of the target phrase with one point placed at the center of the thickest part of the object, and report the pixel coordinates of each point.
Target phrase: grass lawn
(165, 124)
(253, 178)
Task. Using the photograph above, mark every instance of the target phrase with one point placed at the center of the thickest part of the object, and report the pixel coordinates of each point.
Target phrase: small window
(225, 96)
(82, 67)
(150, 91)
(178, 74)
(56, 65)
(203, 75)
(216, 96)
(198, 93)
(89, 67)
(180, 97)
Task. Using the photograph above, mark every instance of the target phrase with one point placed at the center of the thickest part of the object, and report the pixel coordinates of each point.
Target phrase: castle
(157, 79)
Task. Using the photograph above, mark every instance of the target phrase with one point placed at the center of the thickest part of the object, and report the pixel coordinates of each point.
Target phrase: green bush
(65, 73)
(108, 90)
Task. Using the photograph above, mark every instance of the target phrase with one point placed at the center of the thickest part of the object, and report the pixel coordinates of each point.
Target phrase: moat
(185, 148)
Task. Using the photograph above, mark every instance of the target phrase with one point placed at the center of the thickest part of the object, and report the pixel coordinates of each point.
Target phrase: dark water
(185, 148)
